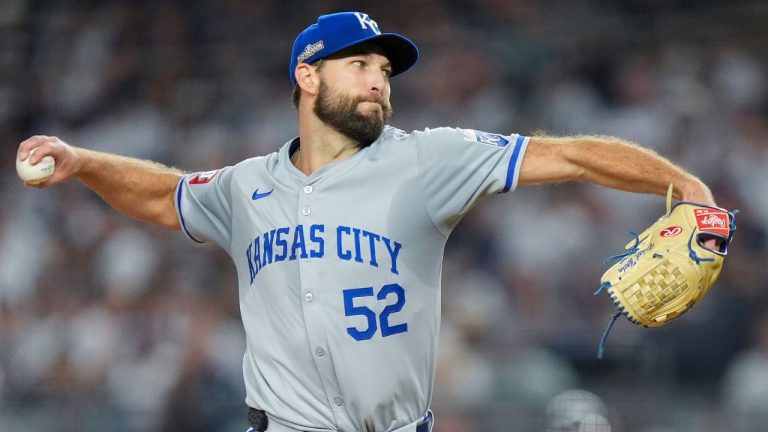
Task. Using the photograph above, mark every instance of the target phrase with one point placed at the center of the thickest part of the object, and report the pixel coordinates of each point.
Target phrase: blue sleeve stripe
(181, 215)
(513, 163)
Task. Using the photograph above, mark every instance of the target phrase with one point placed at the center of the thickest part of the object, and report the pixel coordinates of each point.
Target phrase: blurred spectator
(106, 324)
(745, 385)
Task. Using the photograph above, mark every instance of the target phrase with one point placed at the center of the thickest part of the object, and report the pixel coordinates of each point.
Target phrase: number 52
(386, 328)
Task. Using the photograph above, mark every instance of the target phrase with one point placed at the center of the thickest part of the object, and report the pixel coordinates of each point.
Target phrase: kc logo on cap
(335, 32)
(366, 21)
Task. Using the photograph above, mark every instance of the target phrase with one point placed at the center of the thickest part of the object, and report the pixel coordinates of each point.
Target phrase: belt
(259, 421)
(424, 427)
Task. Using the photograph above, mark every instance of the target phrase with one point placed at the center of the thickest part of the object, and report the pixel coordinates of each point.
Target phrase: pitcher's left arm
(611, 162)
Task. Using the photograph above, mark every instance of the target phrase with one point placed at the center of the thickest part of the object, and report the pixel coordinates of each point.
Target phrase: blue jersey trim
(512, 169)
(181, 215)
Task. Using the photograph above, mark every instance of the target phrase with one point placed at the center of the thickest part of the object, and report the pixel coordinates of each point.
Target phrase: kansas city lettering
(304, 242)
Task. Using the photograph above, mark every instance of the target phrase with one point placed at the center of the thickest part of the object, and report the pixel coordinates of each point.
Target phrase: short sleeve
(204, 206)
(460, 167)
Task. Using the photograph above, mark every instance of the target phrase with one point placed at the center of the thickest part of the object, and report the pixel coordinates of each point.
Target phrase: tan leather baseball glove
(667, 269)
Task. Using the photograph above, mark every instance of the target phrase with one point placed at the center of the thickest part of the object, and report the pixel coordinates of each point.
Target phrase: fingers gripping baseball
(67, 160)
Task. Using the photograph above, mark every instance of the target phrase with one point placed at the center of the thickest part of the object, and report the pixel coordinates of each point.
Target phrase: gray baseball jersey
(339, 271)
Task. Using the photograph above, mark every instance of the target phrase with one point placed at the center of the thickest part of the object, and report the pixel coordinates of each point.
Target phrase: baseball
(37, 173)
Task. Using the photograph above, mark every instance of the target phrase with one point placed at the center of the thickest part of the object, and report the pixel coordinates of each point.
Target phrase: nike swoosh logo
(256, 195)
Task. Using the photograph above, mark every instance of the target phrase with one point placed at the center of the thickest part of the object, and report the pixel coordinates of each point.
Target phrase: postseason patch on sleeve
(487, 138)
(203, 177)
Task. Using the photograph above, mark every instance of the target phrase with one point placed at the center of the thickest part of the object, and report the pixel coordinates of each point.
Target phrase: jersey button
(308, 189)
(338, 401)
(306, 211)
(309, 297)
(320, 351)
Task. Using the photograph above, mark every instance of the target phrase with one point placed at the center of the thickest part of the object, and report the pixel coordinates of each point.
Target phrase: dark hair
(296, 96)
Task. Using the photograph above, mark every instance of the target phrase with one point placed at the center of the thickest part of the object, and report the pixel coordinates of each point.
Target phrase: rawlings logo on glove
(667, 268)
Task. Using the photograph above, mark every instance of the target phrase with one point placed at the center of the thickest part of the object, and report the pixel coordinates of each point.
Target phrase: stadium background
(108, 325)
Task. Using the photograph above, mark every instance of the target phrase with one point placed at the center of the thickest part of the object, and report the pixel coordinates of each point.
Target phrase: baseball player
(338, 236)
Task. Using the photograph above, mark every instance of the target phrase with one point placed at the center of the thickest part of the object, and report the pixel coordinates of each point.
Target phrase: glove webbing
(649, 298)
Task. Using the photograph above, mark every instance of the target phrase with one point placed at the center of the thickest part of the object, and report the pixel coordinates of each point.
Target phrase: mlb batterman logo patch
(203, 177)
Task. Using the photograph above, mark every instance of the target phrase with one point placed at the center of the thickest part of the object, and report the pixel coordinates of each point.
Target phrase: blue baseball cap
(335, 32)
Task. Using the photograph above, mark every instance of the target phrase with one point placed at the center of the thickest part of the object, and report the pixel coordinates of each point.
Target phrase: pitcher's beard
(340, 112)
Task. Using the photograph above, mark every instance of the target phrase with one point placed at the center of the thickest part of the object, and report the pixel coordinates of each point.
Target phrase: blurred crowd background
(110, 325)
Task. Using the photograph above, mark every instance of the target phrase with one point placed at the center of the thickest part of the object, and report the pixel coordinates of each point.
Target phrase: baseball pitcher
(338, 236)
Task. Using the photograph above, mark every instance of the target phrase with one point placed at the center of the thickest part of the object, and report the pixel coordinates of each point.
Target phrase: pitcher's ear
(306, 78)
